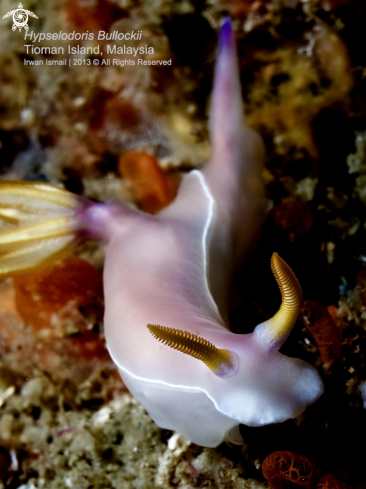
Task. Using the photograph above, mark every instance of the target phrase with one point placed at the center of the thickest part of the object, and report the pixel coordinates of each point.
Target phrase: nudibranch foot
(233, 173)
(223, 363)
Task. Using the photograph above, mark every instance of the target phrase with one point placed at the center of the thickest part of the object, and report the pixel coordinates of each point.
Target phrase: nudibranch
(166, 282)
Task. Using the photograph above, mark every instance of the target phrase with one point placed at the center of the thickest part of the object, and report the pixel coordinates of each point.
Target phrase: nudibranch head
(205, 381)
(272, 333)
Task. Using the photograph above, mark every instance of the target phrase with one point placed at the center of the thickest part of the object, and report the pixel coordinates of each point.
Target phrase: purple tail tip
(226, 32)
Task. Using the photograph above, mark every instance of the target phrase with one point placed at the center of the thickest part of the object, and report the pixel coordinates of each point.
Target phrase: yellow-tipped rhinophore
(222, 362)
(281, 324)
(40, 226)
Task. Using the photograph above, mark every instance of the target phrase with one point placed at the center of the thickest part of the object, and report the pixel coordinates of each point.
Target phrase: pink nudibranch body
(174, 269)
